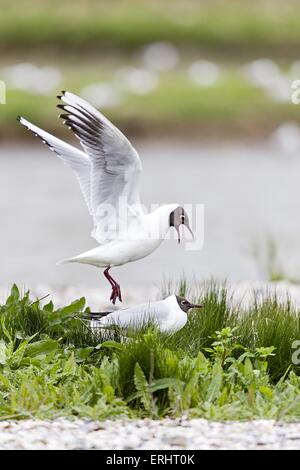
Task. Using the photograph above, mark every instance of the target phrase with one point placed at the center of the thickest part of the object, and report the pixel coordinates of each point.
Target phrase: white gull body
(165, 314)
(108, 169)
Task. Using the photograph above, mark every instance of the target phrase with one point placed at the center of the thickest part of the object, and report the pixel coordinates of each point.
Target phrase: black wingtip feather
(19, 118)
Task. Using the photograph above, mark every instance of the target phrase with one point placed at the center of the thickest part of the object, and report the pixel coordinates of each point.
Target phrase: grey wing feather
(115, 164)
(71, 156)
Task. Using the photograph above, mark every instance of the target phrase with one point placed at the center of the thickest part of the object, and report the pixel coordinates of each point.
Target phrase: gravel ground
(147, 434)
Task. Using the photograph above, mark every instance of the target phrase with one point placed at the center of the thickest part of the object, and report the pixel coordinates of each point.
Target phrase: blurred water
(249, 191)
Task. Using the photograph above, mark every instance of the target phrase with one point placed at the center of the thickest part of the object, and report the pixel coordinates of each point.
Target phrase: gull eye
(184, 302)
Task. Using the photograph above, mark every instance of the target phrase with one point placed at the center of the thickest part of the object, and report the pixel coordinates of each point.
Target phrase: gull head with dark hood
(179, 217)
(185, 305)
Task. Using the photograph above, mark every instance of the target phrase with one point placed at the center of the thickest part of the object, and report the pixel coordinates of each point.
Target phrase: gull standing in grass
(169, 315)
(108, 169)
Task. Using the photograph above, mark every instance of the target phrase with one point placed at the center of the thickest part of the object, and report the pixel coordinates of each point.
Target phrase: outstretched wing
(115, 164)
(108, 169)
(71, 156)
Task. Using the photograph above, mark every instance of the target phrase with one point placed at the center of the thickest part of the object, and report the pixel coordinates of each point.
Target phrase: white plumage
(169, 315)
(108, 169)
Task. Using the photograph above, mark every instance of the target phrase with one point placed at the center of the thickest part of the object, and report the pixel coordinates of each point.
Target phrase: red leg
(116, 290)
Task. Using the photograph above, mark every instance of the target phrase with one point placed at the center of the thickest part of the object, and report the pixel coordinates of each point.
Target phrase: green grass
(231, 106)
(225, 364)
(131, 23)
(89, 40)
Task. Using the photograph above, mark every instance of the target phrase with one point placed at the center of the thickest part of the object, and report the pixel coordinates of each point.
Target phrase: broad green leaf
(41, 348)
(74, 307)
(248, 368)
(81, 354)
(201, 363)
(243, 356)
(265, 352)
(161, 384)
(49, 306)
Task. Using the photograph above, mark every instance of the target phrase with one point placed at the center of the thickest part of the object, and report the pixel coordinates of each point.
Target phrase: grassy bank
(232, 106)
(90, 42)
(220, 24)
(225, 364)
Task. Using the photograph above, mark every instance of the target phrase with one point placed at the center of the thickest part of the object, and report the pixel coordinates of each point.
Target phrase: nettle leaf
(18, 354)
(49, 307)
(190, 390)
(171, 361)
(108, 392)
(265, 351)
(242, 357)
(213, 390)
(74, 307)
(66, 314)
(174, 393)
(5, 331)
(248, 367)
(109, 345)
(201, 363)
(223, 397)
(70, 367)
(3, 354)
(41, 348)
(161, 384)
(14, 295)
(142, 387)
(81, 354)
(5, 382)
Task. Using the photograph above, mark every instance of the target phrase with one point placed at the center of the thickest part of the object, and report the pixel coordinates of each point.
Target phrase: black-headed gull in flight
(108, 169)
(169, 315)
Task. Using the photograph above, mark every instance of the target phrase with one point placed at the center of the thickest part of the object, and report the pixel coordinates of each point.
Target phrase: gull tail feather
(66, 261)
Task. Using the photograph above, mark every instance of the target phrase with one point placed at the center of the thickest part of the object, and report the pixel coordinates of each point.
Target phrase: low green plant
(225, 364)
